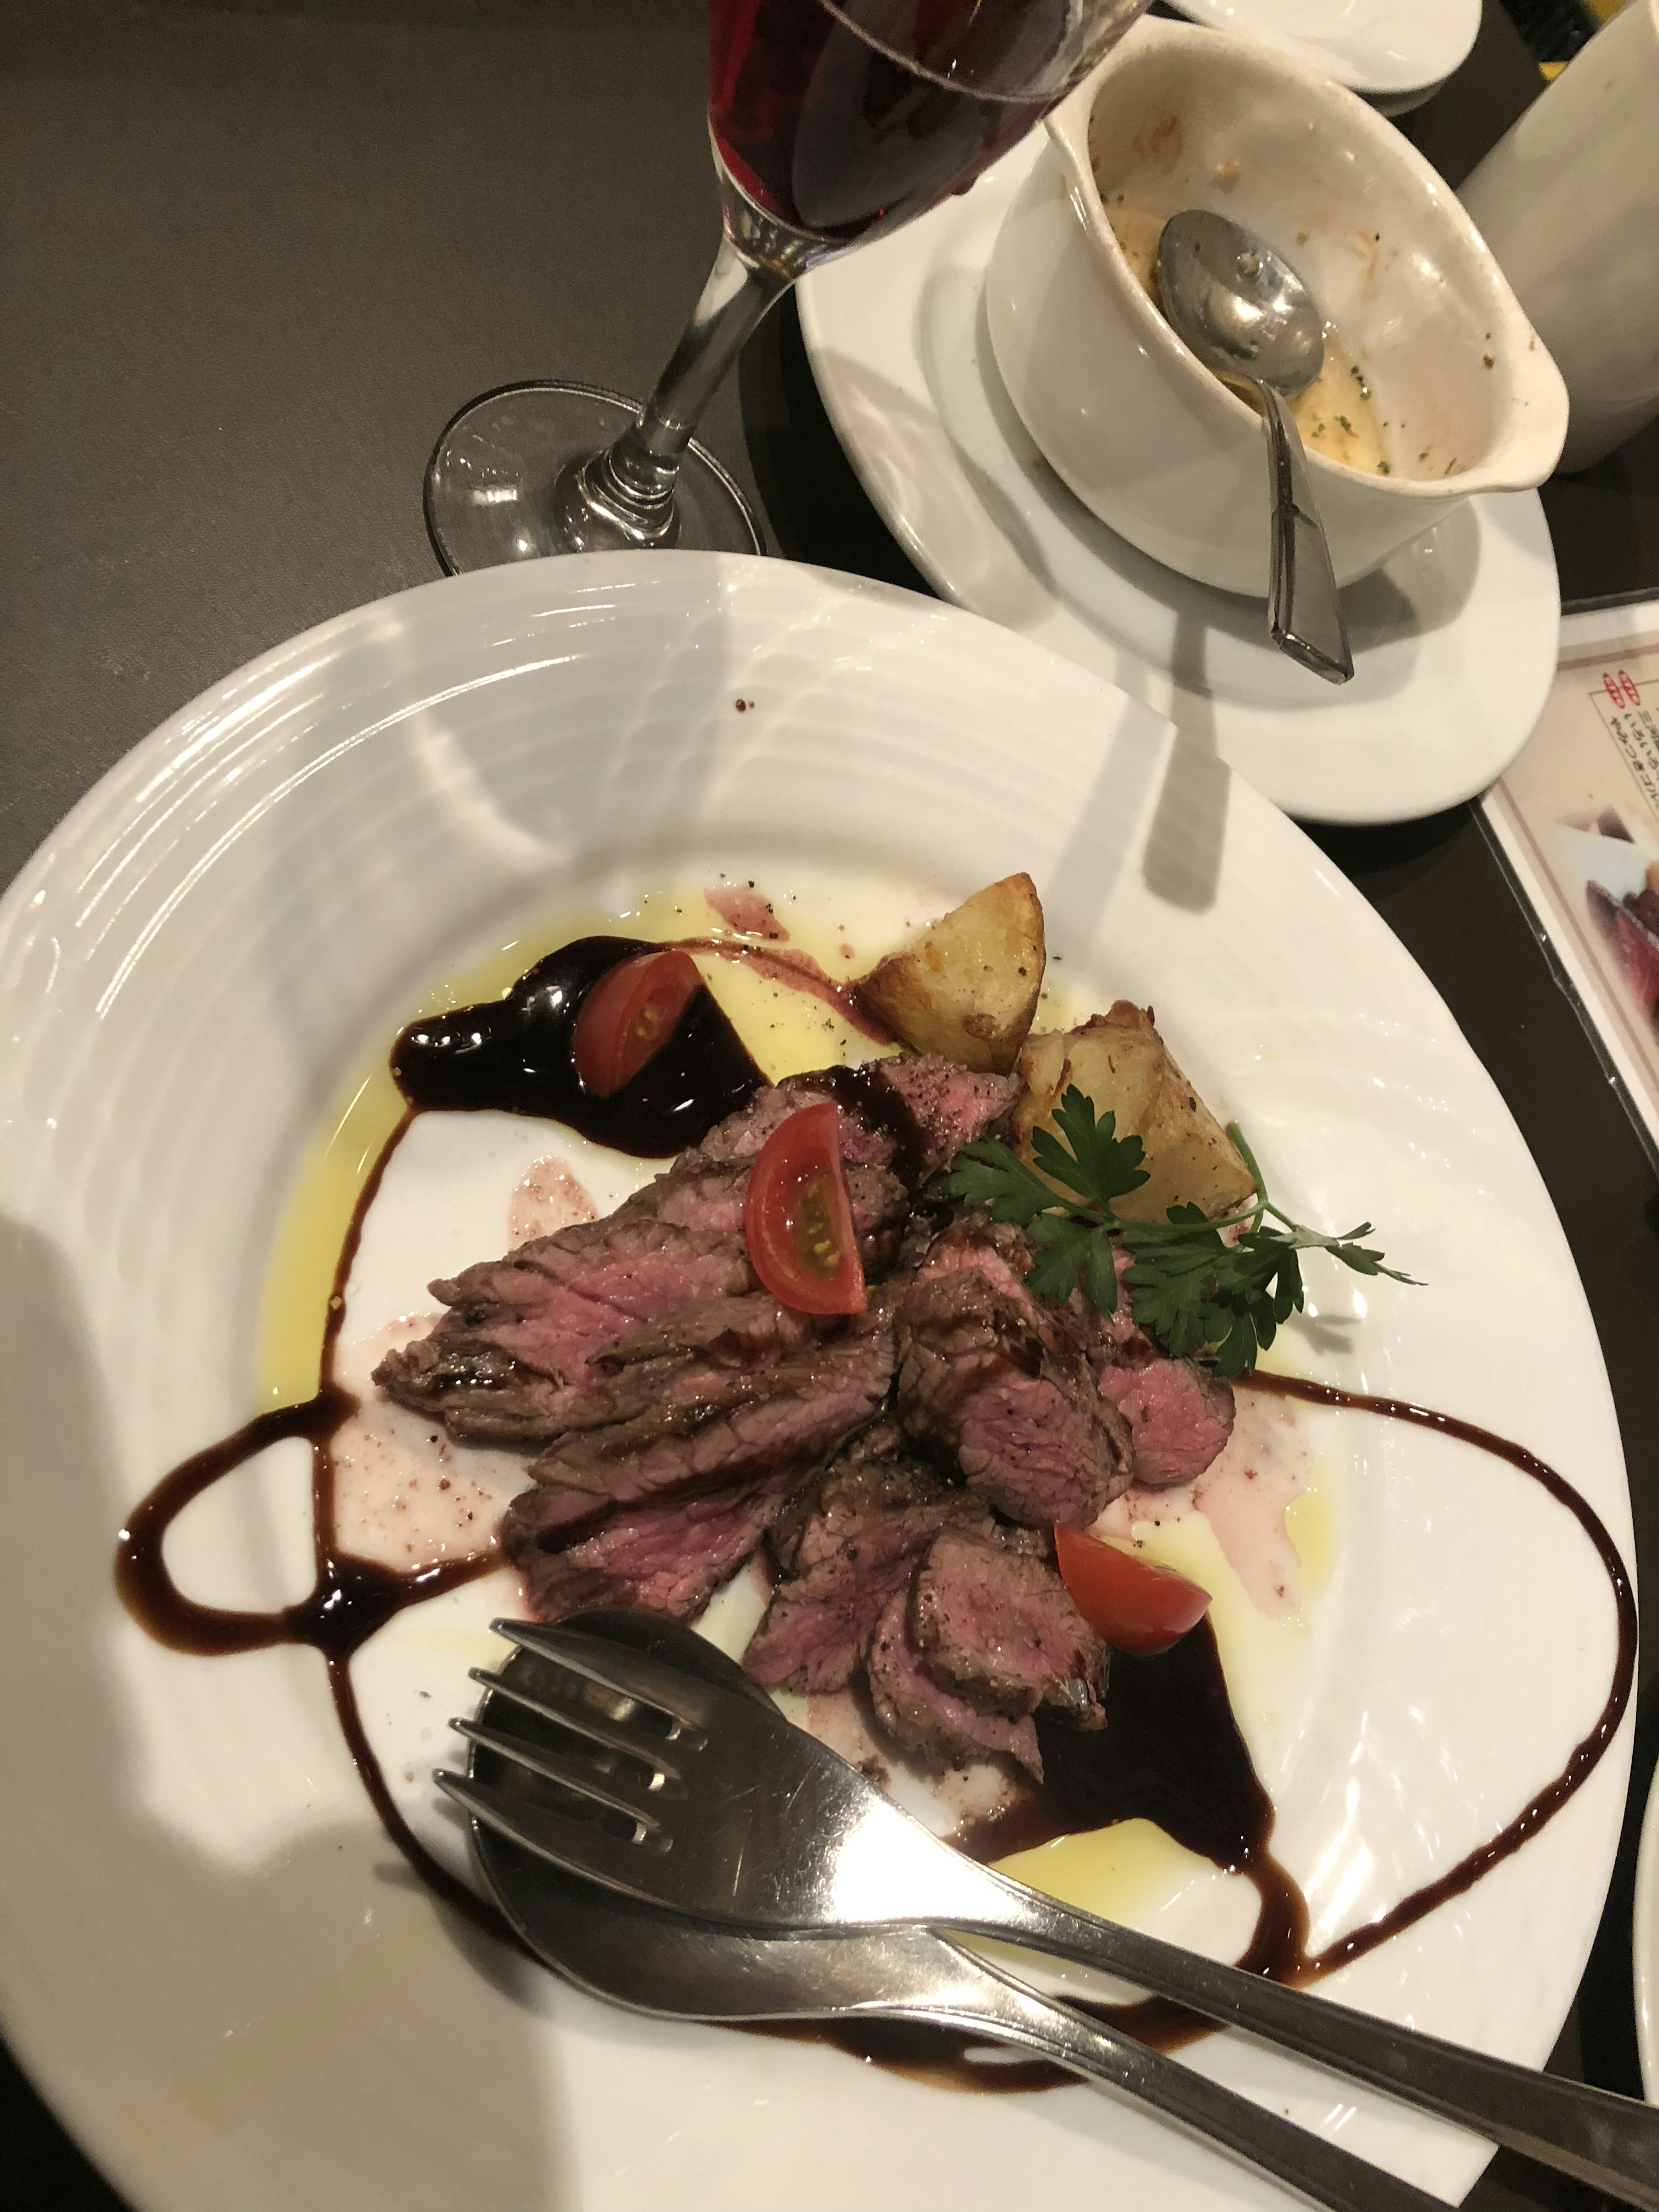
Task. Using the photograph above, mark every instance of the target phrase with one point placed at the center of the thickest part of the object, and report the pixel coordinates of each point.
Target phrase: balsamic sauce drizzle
(1171, 1751)
(512, 1054)
(1585, 1755)
(350, 1598)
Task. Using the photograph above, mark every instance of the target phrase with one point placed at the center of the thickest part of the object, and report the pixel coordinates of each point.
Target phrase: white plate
(210, 1958)
(1454, 638)
(1378, 47)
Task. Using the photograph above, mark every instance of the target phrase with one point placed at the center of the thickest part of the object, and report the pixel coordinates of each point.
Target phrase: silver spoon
(660, 1962)
(1250, 319)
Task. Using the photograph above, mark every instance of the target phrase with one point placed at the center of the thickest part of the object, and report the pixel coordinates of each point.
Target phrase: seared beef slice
(520, 1331)
(949, 1106)
(874, 1516)
(935, 1725)
(938, 1107)
(1012, 1398)
(1179, 1416)
(710, 1425)
(667, 1558)
(995, 1623)
(511, 1360)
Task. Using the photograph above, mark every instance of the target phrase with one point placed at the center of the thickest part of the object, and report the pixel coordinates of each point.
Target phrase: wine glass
(832, 122)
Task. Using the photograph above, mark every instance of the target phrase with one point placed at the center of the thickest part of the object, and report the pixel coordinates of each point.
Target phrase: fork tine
(615, 1667)
(579, 1846)
(620, 1792)
(567, 1709)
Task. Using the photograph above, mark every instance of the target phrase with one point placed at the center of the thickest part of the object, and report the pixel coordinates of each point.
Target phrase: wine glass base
(490, 482)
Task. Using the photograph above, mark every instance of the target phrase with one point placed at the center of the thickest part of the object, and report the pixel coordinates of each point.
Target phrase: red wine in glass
(833, 121)
(839, 120)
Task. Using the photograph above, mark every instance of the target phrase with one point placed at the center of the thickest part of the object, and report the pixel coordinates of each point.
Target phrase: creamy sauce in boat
(1337, 415)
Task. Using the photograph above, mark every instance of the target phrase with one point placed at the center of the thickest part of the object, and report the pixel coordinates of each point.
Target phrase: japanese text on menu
(1634, 726)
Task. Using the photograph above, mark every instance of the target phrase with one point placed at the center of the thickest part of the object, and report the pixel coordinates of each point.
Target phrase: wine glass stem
(736, 296)
(625, 496)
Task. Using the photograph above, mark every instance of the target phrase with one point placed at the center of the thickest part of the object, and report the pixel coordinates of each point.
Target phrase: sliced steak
(994, 1622)
(481, 1394)
(729, 1332)
(558, 1303)
(1032, 1446)
(873, 1518)
(711, 1427)
(666, 1558)
(915, 1112)
(1010, 1393)
(878, 1439)
(1179, 1417)
(1180, 1414)
(950, 1106)
(738, 1140)
(550, 1307)
(644, 1398)
(1002, 1255)
(936, 1726)
(487, 1397)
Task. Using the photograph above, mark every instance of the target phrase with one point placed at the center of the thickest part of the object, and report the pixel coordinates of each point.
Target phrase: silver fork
(664, 1963)
(707, 1801)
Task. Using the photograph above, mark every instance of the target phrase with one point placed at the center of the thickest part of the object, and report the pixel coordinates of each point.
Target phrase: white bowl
(1160, 450)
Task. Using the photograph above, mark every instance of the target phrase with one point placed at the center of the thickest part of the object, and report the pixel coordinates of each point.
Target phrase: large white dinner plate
(210, 1957)
(1454, 637)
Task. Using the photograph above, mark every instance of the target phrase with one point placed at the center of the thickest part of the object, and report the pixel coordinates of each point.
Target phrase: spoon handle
(957, 1989)
(1608, 2142)
(1304, 613)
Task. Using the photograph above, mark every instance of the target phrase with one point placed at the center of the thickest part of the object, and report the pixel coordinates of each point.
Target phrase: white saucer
(1454, 639)
(1385, 49)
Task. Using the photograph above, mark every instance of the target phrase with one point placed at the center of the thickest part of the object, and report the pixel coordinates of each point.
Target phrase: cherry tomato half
(1133, 1605)
(798, 1217)
(630, 1014)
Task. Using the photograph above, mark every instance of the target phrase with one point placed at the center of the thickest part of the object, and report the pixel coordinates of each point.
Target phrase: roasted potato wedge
(969, 989)
(1119, 1060)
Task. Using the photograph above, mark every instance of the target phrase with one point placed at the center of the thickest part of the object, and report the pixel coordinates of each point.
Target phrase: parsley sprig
(1191, 1283)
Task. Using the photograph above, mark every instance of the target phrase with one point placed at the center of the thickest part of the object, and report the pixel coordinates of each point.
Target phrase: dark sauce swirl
(1586, 1754)
(350, 1598)
(1171, 1751)
(512, 1054)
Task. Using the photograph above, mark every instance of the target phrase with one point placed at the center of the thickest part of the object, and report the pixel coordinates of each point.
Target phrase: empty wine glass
(832, 122)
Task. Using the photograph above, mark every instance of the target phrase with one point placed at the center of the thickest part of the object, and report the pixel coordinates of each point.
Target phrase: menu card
(1575, 822)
